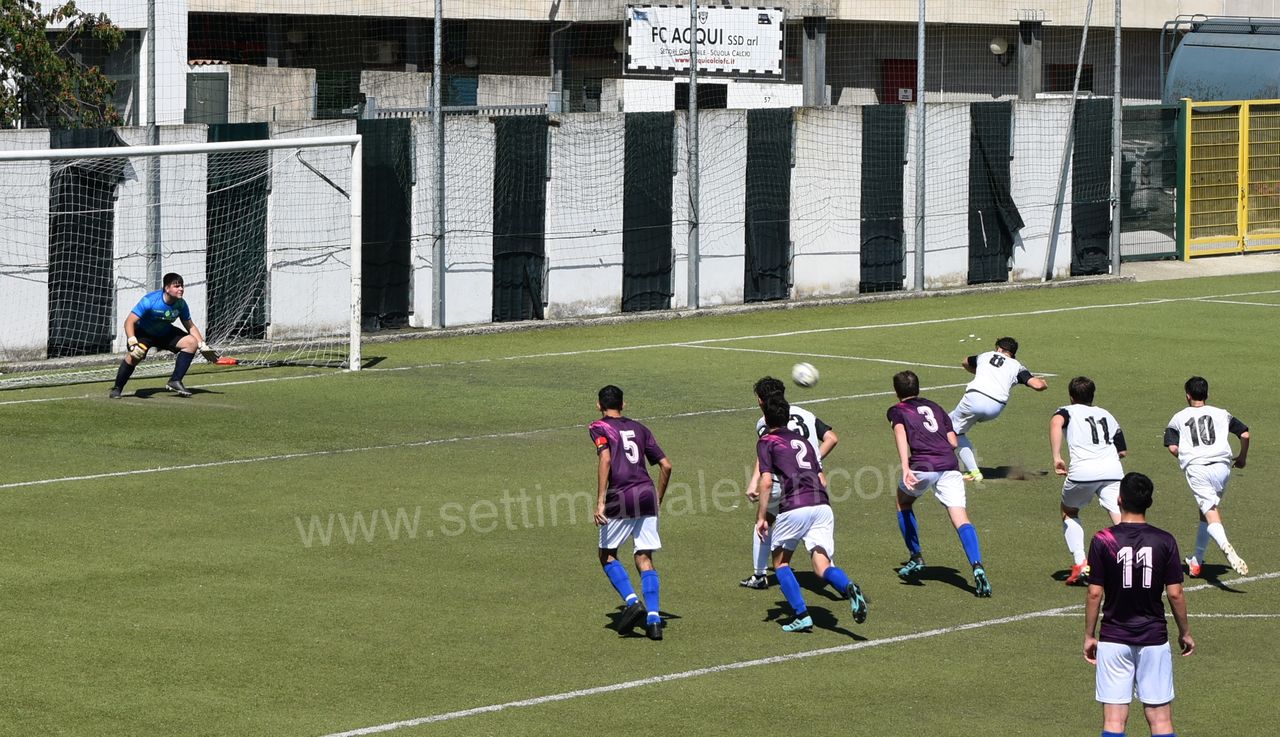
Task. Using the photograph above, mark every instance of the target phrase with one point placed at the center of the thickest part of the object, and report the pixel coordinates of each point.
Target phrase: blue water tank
(1226, 59)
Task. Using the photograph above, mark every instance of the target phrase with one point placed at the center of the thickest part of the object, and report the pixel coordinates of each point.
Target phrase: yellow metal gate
(1231, 201)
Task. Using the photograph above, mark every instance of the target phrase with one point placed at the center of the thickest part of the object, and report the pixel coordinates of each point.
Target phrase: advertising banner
(735, 42)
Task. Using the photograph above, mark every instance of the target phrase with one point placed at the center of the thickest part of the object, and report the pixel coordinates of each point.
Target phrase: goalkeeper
(150, 325)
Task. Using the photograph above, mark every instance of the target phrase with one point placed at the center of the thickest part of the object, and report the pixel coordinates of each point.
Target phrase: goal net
(266, 235)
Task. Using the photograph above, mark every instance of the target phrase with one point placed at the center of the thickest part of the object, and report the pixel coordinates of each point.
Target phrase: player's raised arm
(1031, 380)
(970, 364)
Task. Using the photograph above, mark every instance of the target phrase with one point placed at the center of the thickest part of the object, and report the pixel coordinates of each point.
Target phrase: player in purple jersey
(804, 513)
(926, 445)
(627, 506)
(1130, 565)
(820, 436)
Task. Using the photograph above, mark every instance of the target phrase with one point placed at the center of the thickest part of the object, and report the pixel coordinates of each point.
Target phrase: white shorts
(974, 408)
(1076, 494)
(1126, 669)
(1208, 483)
(948, 487)
(615, 532)
(815, 526)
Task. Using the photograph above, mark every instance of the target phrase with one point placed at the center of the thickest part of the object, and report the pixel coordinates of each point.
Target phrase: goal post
(266, 234)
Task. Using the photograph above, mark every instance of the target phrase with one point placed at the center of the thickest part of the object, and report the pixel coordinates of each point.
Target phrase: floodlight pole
(920, 162)
(1117, 155)
(1067, 150)
(693, 155)
(153, 166)
(437, 104)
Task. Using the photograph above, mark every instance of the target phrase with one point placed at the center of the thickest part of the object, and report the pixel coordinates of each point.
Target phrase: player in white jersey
(820, 436)
(1197, 437)
(1096, 445)
(994, 374)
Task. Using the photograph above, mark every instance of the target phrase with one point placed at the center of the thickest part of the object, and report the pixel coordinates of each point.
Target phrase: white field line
(1237, 302)
(415, 443)
(796, 354)
(1194, 615)
(705, 341)
(1071, 610)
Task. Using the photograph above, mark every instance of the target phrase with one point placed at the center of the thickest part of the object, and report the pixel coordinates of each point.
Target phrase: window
(120, 66)
(1059, 77)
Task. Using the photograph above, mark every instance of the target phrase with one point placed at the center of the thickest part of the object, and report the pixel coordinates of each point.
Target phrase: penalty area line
(727, 667)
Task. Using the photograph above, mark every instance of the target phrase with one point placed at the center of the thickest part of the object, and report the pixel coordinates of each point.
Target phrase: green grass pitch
(308, 553)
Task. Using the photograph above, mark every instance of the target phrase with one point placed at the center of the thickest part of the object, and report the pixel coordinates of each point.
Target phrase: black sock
(123, 373)
(181, 365)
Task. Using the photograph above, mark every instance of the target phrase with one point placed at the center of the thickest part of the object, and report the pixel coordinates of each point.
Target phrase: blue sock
(837, 578)
(1105, 733)
(910, 533)
(969, 539)
(621, 581)
(791, 589)
(1171, 734)
(649, 585)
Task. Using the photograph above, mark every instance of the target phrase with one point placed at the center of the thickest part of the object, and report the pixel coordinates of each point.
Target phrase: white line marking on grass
(1194, 615)
(1238, 302)
(197, 387)
(415, 443)
(1070, 610)
(800, 354)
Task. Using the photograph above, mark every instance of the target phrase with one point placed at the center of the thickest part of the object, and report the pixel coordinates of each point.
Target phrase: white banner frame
(733, 41)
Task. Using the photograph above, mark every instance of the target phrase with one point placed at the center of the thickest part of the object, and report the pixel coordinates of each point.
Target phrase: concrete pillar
(814, 63)
(1030, 61)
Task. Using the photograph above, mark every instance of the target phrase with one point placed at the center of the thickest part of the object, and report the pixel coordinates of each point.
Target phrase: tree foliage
(42, 85)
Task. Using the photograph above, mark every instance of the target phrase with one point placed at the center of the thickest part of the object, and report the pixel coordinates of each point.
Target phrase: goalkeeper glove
(136, 349)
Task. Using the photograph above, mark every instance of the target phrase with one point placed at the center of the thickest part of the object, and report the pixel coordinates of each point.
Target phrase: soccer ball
(804, 374)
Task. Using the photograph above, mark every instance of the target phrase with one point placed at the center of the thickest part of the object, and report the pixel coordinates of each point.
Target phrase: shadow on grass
(939, 574)
(638, 631)
(1212, 573)
(1010, 473)
(823, 619)
(154, 391)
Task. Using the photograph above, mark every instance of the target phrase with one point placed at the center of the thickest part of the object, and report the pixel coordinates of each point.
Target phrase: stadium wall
(582, 219)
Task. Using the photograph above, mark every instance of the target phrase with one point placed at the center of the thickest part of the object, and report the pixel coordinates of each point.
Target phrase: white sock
(1219, 535)
(759, 554)
(1074, 534)
(967, 458)
(1202, 540)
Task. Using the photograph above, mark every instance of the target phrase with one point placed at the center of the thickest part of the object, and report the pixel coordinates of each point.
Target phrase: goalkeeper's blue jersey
(155, 316)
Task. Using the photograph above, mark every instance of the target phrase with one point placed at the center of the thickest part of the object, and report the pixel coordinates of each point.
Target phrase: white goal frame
(356, 196)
